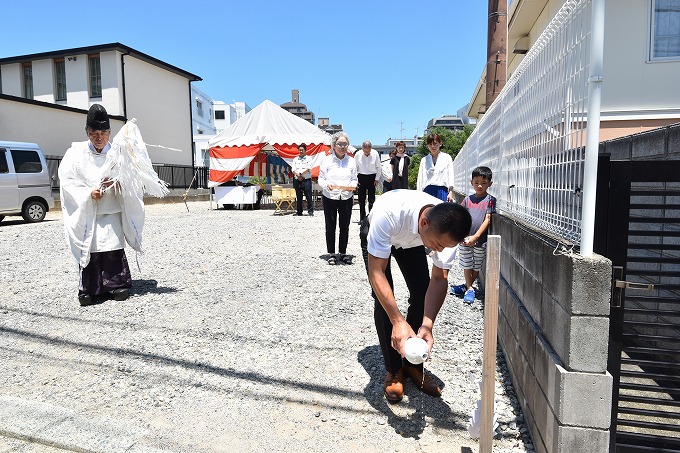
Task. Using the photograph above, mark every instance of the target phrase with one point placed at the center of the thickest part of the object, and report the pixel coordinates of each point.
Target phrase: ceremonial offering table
(236, 195)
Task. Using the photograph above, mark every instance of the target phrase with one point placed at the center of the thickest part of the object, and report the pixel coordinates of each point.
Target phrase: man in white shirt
(369, 171)
(302, 180)
(401, 224)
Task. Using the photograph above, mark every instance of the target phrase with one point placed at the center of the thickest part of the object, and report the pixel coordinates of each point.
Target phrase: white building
(44, 98)
(641, 60)
(209, 118)
(450, 122)
(202, 113)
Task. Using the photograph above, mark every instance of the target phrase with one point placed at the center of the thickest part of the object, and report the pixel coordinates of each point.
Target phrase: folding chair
(290, 199)
(278, 198)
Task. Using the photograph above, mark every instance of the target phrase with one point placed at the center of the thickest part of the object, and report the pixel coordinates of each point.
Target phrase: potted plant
(258, 181)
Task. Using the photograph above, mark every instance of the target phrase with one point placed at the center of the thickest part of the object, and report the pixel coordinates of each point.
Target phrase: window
(28, 80)
(26, 161)
(199, 108)
(219, 114)
(60, 80)
(665, 29)
(206, 157)
(95, 69)
(4, 168)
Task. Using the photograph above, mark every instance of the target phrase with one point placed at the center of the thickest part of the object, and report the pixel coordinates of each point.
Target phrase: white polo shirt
(394, 222)
(368, 165)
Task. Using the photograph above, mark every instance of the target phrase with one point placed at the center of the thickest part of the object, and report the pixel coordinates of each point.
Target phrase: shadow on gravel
(424, 406)
(188, 364)
(20, 221)
(141, 287)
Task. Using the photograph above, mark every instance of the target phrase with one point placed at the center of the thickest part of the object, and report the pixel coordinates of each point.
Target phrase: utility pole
(401, 129)
(496, 49)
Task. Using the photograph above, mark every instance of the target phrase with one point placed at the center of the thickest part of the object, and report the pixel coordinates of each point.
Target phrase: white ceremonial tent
(266, 128)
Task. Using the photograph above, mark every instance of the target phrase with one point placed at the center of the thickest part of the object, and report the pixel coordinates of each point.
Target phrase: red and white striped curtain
(227, 162)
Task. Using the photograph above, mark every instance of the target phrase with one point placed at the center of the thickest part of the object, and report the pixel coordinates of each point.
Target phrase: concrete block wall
(661, 143)
(553, 328)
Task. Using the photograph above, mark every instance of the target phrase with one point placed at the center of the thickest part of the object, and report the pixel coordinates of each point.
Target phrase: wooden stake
(493, 254)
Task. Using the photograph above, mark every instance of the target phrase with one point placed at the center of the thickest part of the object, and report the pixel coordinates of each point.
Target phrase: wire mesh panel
(533, 136)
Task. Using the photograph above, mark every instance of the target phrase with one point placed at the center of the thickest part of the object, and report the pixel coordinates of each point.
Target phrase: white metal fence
(533, 137)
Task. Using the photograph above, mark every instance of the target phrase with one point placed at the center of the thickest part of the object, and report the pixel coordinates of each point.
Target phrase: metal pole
(593, 127)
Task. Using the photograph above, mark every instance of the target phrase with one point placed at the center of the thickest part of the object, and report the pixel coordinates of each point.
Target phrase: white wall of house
(162, 110)
(11, 79)
(633, 85)
(24, 122)
(43, 80)
(77, 83)
(112, 91)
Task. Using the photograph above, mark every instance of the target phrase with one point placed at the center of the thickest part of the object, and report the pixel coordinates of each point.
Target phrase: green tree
(452, 142)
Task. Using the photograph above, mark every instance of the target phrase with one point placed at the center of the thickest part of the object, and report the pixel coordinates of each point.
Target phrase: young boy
(472, 250)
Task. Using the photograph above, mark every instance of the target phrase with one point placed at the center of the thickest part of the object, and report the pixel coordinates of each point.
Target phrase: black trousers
(105, 272)
(337, 211)
(413, 265)
(304, 186)
(366, 187)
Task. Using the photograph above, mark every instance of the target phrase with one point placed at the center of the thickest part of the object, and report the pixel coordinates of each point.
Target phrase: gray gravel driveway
(237, 337)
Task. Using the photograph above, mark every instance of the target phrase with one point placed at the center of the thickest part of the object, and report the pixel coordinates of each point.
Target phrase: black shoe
(85, 300)
(311, 214)
(120, 294)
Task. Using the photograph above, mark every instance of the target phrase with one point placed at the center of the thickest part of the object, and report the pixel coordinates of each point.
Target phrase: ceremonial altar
(236, 194)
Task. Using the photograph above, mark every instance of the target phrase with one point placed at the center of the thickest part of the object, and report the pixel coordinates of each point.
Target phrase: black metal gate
(641, 218)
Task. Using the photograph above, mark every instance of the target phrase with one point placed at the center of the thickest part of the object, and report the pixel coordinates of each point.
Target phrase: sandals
(347, 259)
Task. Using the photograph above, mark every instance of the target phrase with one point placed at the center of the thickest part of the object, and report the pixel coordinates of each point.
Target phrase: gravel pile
(237, 337)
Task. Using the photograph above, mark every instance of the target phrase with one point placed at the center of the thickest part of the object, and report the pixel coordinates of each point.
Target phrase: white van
(25, 186)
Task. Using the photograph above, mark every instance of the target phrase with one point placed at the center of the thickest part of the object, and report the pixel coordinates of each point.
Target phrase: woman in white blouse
(338, 179)
(435, 175)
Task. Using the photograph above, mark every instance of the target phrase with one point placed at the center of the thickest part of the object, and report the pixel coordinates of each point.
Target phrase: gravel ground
(237, 337)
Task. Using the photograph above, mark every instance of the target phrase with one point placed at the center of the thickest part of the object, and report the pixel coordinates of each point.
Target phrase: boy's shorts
(472, 257)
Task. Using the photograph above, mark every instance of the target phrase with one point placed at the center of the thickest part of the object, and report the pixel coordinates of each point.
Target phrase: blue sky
(374, 66)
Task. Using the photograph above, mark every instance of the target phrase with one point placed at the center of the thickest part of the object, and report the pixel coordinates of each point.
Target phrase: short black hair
(450, 218)
(484, 172)
(303, 146)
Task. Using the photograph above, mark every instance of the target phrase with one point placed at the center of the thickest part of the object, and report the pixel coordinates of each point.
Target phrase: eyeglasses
(342, 145)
